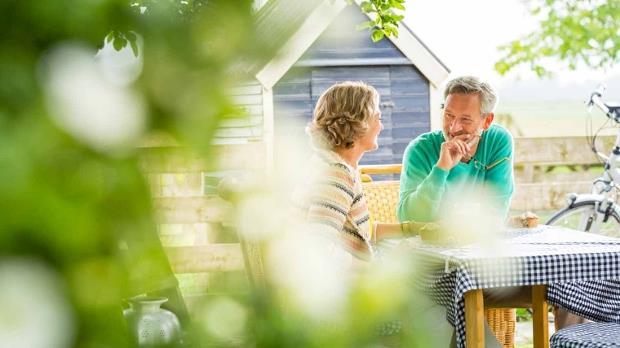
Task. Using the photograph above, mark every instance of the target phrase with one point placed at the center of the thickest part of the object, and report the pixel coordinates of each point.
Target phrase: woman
(346, 124)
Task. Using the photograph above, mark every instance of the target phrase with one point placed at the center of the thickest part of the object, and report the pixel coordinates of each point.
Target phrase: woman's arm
(403, 229)
(382, 231)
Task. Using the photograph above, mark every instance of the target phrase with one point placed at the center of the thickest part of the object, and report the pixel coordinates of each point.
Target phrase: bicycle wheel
(583, 216)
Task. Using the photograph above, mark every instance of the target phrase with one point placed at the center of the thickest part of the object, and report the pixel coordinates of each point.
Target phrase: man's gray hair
(473, 85)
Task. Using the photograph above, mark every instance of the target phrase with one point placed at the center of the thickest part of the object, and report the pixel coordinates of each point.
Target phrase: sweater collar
(331, 157)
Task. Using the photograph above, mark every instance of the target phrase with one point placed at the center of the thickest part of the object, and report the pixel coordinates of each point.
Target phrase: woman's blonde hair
(342, 114)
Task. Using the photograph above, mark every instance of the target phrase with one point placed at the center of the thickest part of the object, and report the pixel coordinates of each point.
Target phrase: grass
(551, 118)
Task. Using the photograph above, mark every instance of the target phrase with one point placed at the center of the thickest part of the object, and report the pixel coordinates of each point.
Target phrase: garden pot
(151, 325)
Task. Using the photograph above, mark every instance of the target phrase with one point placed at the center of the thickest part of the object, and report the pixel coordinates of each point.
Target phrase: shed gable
(342, 44)
(343, 53)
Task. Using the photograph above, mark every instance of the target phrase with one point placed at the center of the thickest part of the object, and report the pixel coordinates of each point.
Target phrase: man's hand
(453, 150)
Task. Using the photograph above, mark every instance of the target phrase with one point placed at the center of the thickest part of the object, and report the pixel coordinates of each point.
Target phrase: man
(468, 155)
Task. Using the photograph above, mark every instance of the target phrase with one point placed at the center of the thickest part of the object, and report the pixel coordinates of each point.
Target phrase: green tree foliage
(575, 32)
(66, 204)
(386, 17)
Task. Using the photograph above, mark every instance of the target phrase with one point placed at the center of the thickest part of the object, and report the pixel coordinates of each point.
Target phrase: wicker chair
(382, 199)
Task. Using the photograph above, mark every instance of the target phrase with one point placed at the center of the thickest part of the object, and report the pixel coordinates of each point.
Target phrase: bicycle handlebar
(596, 99)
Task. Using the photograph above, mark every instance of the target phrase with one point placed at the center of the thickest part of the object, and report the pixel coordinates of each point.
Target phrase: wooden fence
(191, 216)
(547, 169)
(204, 253)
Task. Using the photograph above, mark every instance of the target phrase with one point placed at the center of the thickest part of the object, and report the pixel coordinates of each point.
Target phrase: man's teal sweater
(425, 189)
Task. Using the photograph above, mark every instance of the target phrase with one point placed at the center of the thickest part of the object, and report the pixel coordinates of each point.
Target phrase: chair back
(382, 199)
(381, 196)
(502, 322)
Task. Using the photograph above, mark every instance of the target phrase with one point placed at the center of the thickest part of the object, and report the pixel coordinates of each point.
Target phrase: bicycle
(597, 211)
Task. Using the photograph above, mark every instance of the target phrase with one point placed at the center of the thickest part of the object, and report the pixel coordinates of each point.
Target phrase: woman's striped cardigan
(333, 203)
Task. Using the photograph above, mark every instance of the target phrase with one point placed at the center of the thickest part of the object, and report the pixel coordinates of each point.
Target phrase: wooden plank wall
(248, 96)
(410, 103)
(293, 105)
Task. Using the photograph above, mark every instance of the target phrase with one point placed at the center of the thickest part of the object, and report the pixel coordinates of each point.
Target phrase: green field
(551, 118)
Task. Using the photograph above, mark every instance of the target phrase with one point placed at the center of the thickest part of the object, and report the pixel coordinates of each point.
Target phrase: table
(576, 270)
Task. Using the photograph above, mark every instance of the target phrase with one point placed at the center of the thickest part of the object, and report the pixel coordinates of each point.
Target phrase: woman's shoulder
(333, 166)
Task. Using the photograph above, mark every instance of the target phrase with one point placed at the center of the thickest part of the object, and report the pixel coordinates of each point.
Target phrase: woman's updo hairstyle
(342, 114)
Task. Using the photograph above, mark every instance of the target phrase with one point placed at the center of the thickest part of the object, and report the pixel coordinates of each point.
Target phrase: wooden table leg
(474, 319)
(540, 316)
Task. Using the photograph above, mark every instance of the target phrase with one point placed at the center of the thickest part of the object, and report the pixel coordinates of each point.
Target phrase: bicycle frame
(605, 185)
(607, 182)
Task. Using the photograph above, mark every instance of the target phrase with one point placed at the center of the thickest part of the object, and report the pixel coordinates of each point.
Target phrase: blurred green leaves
(120, 40)
(70, 205)
(85, 212)
(578, 33)
(386, 18)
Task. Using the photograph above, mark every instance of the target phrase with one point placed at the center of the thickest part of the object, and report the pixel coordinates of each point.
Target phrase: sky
(465, 36)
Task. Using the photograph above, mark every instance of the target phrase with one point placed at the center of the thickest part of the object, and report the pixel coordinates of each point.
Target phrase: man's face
(461, 115)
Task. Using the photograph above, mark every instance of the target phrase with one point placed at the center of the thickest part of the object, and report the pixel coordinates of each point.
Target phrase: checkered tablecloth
(581, 270)
(588, 335)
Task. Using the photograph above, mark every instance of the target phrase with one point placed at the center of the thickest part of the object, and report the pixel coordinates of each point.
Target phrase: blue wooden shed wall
(249, 96)
(341, 53)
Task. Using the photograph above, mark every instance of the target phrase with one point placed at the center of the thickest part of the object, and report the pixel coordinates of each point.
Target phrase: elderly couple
(468, 153)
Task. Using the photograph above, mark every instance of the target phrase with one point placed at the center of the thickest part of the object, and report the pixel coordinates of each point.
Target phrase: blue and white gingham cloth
(588, 335)
(581, 271)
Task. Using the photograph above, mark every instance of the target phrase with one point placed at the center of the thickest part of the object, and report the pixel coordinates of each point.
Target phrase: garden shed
(317, 44)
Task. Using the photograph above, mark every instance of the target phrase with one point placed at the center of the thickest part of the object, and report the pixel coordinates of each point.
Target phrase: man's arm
(422, 183)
